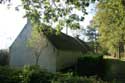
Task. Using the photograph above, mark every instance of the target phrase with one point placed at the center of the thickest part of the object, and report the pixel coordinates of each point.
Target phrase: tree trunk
(96, 47)
(118, 52)
(37, 55)
(37, 60)
(124, 51)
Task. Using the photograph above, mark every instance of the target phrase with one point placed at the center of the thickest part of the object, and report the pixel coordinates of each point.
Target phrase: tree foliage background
(58, 12)
(110, 20)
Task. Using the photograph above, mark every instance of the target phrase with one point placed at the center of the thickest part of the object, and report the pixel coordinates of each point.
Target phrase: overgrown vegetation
(33, 74)
(91, 64)
(4, 57)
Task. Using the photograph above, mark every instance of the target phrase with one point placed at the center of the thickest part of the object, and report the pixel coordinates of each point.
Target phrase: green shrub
(91, 64)
(4, 57)
(91, 57)
(9, 75)
(69, 78)
(28, 74)
(33, 74)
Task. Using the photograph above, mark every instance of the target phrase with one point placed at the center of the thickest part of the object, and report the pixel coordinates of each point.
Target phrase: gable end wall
(21, 54)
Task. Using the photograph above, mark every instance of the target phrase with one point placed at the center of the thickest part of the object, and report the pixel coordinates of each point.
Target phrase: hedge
(91, 64)
(33, 74)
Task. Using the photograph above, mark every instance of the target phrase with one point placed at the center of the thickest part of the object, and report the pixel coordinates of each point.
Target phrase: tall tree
(110, 19)
(92, 35)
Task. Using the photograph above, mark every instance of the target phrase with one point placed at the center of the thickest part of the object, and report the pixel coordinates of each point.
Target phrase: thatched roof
(64, 42)
(61, 41)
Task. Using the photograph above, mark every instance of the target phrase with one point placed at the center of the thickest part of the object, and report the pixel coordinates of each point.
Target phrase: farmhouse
(61, 51)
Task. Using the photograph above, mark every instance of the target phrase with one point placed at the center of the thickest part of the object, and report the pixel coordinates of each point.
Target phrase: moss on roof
(65, 42)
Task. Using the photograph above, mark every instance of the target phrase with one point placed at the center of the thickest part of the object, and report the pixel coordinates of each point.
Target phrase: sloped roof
(65, 42)
(61, 41)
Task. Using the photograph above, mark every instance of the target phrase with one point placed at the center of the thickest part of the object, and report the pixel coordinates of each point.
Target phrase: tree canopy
(110, 20)
(62, 13)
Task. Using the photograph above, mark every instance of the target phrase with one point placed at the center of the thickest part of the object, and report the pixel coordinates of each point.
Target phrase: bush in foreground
(33, 74)
(69, 78)
(91, 64)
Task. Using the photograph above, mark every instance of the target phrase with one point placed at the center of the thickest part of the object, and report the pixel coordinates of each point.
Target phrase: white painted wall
(47, 58)
(66, 58)
(21, 54)
(51, 58)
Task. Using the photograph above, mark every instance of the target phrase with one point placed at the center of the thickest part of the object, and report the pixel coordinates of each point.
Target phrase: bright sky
(12, 22)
